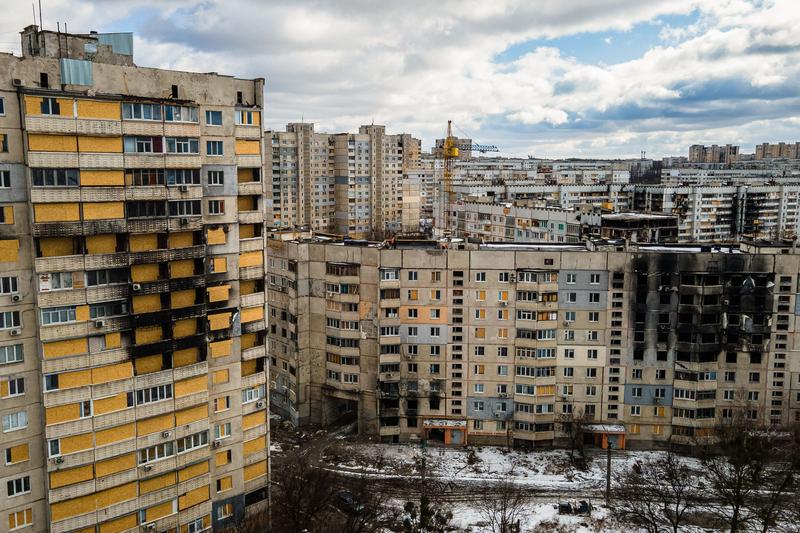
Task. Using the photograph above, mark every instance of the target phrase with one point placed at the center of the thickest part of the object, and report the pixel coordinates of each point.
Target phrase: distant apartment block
(778, 150)
(727, 154)
(350, 184)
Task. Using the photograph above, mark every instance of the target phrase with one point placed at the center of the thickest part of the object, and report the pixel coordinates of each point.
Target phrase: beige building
(727, 154)
(777, 150)
(506, 343)
(132, 333)
(351, 184)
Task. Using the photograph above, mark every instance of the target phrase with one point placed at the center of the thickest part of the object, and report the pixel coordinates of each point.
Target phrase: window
(592, 353)
(730, 376)
(154, 394)
(21, 485)
(728, 394)
(182, 145)
(2, 107)
(390, 275)
(436, 331)
(184, 208)
(108, 309)
(20, 519)
(222, 431)
(502, 370)
(190, 442)
(594, 316)
(85, 409)
(502, 277)
(144, 209)
(636, 373)
(636, 410)
(594, 297)
(54, 177)
(136, 111)
(636, 392)
(213, 118)
(223, 403)
(16, 387)
(253, 394)
(154, 453)
(591, 372)
(244, 118)
(54, 447)
(214, 147)
(11, 354)
(15, 421)
(216, 177)
(224, 511)
(106, 277)
(572, 278)
(594, 279)
(480, 276)
(185, 176)
(5, 179)
(434, 368)
(143, 145)
(436, 313)
(50, 106)
(10, 319)
(144, 177)
(412, 275)
(195, 526)
(216, 207)
(413, 313)
(572, 297)
(436, 350)
(477, 424)
(57, 281)
(479, 388)
(8, 285)
(478, 405)
(58, 315)
(180, 113)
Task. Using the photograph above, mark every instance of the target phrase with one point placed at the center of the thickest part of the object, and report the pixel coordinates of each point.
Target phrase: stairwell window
(8, 285)
(216, 177)
(11, 354)
(214, 148)
(15, 421)
(213, 118)
(216, 207)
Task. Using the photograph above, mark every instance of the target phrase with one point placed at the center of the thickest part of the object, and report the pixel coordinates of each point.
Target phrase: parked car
(347, 502)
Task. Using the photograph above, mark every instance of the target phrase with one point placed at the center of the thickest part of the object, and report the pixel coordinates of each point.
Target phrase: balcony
(183, 161)
(253, 327)
(254, 379)
(133, 160)
(181, 129)
(251, 217)
(251, 272)
(250, 187)
(185, 223)
(185, 192)
(87, 126)
(63, 297)
(55, 194)
(255, 352)
(149, 225)
(101, 160)
(100, 227)
(102, 194)
(185, 372)
(53, 159)
(251, 300)
(57, 229)
(248, 161)
(247, 132)
(101, 261)
(251, 245)
(191, 400)
(146, 193)
(50, 124)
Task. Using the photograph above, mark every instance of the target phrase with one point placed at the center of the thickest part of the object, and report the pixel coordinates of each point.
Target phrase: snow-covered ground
(537, 517)
(545, 469)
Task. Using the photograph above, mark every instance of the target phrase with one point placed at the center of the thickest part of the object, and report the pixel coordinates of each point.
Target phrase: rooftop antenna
(33, 8)
(40, 15)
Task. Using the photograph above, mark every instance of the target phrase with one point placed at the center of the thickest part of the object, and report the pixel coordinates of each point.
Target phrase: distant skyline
(551, 78)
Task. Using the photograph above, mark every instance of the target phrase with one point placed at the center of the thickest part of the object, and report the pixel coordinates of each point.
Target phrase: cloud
(722, 77)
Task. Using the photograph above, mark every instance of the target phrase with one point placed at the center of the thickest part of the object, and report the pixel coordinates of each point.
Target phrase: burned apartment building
(508, 343)
(132, 313)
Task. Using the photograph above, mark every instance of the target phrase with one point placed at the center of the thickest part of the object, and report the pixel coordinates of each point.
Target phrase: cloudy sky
(548, 78)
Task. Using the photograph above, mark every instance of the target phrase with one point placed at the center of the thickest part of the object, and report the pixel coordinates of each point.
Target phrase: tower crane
(450, 150)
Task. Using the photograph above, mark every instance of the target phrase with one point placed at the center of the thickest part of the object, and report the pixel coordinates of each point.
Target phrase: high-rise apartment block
(132, 313)
(350, 184)
(512, 343)
(778, 150)
(727, 154)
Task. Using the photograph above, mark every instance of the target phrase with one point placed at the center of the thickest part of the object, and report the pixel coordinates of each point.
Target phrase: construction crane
(450, 150)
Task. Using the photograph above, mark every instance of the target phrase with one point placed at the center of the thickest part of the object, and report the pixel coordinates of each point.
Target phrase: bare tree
(573, 425)
(251, 521)
(374, 511)
(656, 494)
(302, 497)
(776, 503)
(735, 468)
(503, 507)
(428, 516)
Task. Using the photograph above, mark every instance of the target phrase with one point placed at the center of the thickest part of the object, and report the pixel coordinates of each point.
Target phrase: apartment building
(727, 154)
(777, 150)
(504, 343)
(509, 222)
(351, 184)
(132, 341)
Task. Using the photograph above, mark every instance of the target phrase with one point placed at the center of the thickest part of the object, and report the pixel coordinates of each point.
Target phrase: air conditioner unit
(99, 323)
(58, 460)
(502, 395)
(165, 434)
(150, 527)
(16, 82)
(259, 404)
(147, 468)
(15, 332)
(216, 444)
(16, 297)
(503, 303)
(184, 221)
(512, 278)
(184, 188)
(498, 415)
(137, 287)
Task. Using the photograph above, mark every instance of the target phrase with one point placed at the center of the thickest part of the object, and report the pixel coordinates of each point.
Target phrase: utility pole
(608, 471)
